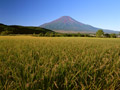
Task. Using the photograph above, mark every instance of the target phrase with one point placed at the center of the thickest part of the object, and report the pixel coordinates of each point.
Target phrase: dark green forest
(15, 29)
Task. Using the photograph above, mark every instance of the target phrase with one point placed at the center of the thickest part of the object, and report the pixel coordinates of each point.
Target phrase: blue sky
(99, 13)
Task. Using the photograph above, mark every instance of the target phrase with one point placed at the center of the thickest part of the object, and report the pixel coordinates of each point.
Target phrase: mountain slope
(15, 29)
(67, 23)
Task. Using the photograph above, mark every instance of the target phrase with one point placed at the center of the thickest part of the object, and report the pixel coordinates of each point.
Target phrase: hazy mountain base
(63, 31)
(83, 31)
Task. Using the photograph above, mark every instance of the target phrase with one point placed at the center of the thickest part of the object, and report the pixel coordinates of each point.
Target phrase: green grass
(63, 63)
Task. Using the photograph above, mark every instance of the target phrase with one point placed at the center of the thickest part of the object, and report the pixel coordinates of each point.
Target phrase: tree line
(100, 33)
(54, 34)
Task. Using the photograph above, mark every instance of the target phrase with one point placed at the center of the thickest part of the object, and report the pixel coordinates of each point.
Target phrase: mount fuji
(66, 24)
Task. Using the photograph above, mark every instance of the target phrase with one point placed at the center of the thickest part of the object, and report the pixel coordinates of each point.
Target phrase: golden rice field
(59, 63)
